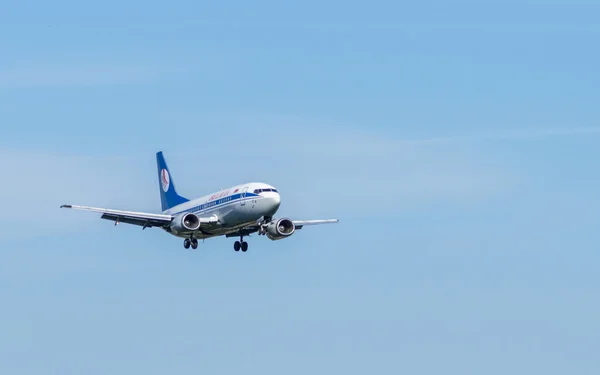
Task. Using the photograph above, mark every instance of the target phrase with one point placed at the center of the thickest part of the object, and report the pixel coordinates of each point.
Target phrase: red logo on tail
(165, 180)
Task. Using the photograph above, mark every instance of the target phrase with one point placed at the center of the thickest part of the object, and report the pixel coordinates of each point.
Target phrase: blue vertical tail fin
(168, 195)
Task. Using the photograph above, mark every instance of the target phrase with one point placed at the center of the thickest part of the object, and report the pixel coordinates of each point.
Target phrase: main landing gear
(190, 242)
(241, 244)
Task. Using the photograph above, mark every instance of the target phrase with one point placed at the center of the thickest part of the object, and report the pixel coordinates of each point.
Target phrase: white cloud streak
(77, 74)
(39, 182)
(513, 135)
(321, 173)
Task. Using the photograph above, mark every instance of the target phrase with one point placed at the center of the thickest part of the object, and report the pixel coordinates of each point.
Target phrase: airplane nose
(273, 205)
(276, 201)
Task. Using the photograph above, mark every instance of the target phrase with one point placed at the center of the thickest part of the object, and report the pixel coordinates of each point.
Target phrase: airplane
(235, 212)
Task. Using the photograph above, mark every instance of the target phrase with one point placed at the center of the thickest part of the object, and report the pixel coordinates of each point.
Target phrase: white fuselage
(234, 208)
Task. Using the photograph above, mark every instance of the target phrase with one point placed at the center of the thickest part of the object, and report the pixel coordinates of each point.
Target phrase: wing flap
(209, 220)
(146, 223)
(301, 223)
(143, 219)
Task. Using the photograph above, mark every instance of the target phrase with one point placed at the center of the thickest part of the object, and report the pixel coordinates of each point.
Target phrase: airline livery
(235, 212)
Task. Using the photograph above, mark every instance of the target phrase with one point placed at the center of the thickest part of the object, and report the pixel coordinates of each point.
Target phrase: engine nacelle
(280, 229)
(185, 223)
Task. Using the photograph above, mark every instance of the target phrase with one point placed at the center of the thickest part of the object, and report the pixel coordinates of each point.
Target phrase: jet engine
(279, 229)
(185, 223)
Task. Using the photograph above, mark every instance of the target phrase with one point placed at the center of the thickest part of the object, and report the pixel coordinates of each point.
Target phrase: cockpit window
(258, 191)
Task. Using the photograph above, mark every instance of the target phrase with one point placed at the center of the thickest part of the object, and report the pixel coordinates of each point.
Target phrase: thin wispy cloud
(513, 135)
(329, 166)
(78, 75)
(300, 169)
(40, 181)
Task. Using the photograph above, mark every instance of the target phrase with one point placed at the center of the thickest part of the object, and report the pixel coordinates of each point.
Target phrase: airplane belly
(234, 216)
(238, 215)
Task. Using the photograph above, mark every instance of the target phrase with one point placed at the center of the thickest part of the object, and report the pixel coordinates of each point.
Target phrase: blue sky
(457, 142)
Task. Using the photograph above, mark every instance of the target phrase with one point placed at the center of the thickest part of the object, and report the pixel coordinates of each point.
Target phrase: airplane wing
(301, 223)
(146, 220)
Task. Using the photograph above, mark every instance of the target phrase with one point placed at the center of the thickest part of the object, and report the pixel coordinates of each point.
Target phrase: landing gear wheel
(187, 243)
(237, 246)
(194, 244)
(244, 246)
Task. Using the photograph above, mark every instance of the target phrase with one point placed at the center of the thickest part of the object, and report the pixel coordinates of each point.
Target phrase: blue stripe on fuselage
(217, 203)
